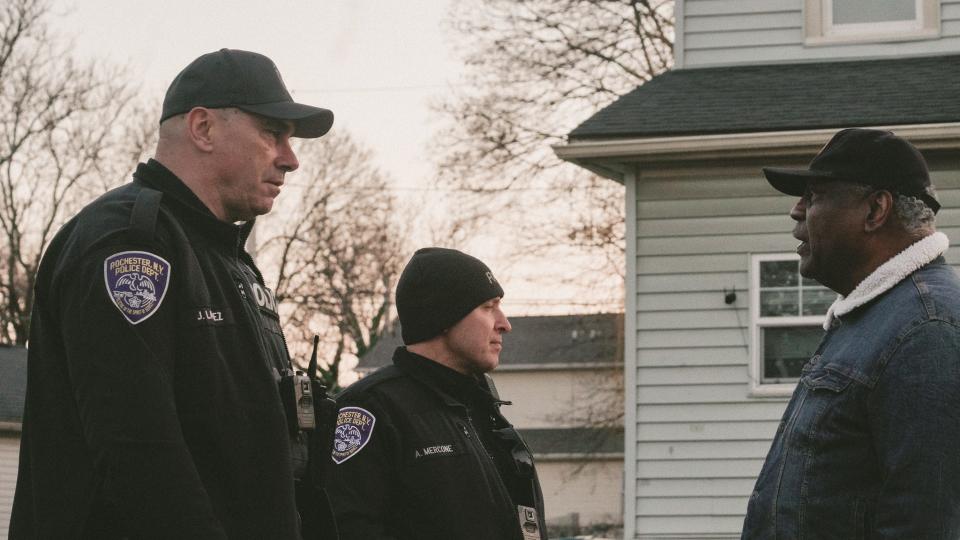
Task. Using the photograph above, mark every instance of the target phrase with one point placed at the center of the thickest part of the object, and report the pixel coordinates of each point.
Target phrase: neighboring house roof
(784, 97)
(13, 384)
(574, 441)
(538, 341)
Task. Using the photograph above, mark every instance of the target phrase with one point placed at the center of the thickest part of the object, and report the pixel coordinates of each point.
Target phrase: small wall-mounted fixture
(729, 296)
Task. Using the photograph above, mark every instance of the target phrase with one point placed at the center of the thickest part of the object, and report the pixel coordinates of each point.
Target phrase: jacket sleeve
(915, 419)
(362, 485)
(122, 377)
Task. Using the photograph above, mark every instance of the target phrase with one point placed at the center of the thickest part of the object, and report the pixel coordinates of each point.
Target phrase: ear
(200, 122)
(880, 210)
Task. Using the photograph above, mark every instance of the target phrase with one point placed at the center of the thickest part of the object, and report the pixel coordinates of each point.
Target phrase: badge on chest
(529, 524)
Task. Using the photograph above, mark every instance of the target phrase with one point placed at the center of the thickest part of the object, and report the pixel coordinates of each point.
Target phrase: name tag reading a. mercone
(529, 524)
(435, 450)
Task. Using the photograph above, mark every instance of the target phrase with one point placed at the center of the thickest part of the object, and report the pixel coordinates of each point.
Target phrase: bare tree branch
(535, 69)
(336, 247)
(65, 135)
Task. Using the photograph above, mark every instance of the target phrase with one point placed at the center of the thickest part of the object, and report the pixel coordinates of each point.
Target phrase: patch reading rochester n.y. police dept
(354, 428)
(136, 283)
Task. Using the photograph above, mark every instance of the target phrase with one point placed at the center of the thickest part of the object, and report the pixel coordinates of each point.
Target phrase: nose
(799, 210)
(503, 325)
(286, 158)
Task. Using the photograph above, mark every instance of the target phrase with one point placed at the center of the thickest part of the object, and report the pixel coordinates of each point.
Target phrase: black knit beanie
(439, 287)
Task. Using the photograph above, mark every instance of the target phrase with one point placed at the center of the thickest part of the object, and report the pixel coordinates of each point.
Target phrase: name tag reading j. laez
(529, 524)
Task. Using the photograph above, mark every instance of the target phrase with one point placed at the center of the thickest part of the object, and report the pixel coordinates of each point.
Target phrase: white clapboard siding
(729, 32)
(700, 437)
(9, 457)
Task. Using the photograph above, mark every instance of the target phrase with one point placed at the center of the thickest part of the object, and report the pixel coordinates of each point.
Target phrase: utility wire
(444, 189)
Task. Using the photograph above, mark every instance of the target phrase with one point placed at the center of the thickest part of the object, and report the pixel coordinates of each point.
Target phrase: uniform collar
(453, 387)
(188, 207)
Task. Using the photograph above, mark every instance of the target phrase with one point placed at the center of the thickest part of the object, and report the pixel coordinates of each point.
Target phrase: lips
(803, 247)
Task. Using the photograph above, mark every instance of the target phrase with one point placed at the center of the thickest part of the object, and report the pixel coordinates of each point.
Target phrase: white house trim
(678, 10)
(615, 153)
(11, 426)
(599, 456)
(567, 366)
(630, 363)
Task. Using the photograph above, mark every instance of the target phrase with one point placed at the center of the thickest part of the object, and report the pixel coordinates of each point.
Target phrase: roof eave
(611, 158)
(11, 426)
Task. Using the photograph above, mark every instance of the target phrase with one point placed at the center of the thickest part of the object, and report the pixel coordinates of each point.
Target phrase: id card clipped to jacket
(529, 524)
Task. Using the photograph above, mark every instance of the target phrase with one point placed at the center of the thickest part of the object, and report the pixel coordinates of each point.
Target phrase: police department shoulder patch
(354, 428)
(136, 283)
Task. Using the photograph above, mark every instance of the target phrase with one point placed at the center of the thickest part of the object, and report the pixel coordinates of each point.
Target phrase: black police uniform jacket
(168, 428)
(434, 458)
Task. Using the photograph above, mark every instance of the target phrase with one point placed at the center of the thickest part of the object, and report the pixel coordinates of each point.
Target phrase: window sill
(772, 390)
(864, 39)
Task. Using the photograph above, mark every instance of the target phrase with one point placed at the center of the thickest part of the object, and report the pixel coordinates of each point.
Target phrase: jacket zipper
(491, 463)
(480, 442)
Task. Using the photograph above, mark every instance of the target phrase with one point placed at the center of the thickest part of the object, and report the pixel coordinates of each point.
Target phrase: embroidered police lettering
(136, 283)
(353, 432)
(264, 297)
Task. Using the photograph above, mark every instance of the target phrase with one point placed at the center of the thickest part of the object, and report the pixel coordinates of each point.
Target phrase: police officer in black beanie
(421, 450)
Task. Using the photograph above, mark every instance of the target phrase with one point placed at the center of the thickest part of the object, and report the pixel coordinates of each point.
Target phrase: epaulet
(143, 218)
(379, 376)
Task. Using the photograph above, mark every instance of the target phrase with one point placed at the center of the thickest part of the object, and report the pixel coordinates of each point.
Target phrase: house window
(787, 311)
(833, 21)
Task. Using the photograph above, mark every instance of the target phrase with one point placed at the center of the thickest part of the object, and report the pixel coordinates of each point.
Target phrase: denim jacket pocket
(827, 378)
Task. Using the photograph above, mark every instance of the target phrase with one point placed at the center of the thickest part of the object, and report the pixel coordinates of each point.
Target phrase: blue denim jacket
(869, 445)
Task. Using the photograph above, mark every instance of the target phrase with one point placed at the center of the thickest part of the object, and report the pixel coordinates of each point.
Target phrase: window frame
(820, 30)
(757, 323)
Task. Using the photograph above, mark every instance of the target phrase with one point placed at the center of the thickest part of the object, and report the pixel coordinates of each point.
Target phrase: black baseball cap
(865, 156)
(247, 81)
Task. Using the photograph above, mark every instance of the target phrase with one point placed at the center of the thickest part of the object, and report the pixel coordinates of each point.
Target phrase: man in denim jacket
(869, 446)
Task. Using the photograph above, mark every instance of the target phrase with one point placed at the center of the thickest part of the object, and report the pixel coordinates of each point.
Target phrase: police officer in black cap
(153, 408)
(421, 450)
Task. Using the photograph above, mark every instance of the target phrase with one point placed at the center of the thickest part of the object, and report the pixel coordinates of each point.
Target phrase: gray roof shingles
(13, 383)
(540, 340)
(573, 441)
(784, 97)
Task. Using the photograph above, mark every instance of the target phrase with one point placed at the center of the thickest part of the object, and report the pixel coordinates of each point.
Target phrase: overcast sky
(375, 63)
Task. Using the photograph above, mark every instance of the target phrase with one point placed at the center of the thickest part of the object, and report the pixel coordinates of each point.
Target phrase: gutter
(610, 157)
(15, 427)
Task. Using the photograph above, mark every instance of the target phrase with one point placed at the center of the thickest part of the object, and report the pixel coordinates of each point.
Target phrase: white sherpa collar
(889, 274)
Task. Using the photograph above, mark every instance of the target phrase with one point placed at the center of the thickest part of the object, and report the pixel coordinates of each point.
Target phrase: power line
(443, 189)
(374, 88)
(403, 87)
